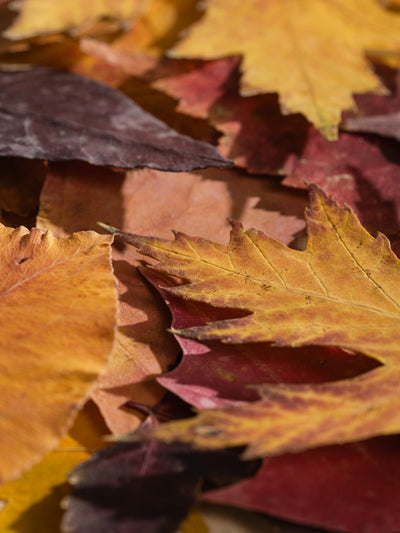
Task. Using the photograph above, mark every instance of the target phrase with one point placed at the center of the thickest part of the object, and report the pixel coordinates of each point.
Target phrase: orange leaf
(58, 302)
(343, 290)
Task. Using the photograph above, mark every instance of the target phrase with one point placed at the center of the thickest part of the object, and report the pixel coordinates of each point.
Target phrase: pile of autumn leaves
(288, 353)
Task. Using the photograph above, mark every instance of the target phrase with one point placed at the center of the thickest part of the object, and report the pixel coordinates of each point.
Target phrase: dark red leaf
(353, 487)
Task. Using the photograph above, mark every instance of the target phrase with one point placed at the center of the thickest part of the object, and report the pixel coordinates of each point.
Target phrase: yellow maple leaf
(58, 307)
(343, 290)
(309, 51)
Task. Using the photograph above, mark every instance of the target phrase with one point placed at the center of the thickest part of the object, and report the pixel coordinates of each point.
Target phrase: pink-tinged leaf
(54, 115)
(352, 488)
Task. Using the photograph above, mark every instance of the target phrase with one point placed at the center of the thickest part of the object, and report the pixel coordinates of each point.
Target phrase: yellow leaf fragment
(39, 17)
(58, 308)
(33, 500)
(312, 52)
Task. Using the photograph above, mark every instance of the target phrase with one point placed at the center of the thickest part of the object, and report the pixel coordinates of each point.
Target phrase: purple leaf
(57, 116)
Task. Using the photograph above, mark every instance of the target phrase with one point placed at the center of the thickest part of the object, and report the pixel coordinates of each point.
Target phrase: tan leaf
(292, 47)
(58, 302)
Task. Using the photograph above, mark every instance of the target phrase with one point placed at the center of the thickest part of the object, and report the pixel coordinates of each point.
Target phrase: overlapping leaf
(58, 303)
(73, 197)
(297, 32)
(343, 290)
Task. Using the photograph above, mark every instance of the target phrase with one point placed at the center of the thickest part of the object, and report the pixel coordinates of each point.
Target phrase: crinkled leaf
(58, 302)
(54, 115)
(146, 487)
(304, 66)
(342, 290)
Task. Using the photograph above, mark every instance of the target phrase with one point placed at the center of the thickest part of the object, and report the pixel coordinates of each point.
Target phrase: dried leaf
(59, 298)
(38, 17)
(343, 290)
(304, 68)
(61, 116)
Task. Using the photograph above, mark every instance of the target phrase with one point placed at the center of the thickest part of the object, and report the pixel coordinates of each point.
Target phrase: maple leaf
(303, 66)
(342, 290)
(57, 116)
(58, 300)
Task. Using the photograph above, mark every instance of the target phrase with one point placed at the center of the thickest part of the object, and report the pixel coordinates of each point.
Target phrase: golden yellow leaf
(310, 51)
(33, 500)
(58, 303)
(343, 290)
(39, 17)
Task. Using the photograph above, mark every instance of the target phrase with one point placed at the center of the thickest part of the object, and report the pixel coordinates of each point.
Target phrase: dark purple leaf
(56, 116)
(145, 487)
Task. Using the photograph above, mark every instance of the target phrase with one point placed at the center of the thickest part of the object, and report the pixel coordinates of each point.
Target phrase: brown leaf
(58, 301)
